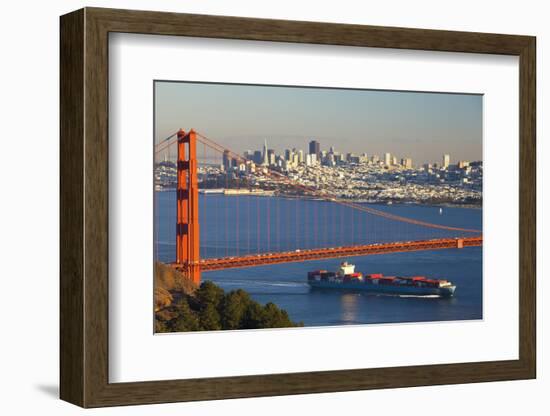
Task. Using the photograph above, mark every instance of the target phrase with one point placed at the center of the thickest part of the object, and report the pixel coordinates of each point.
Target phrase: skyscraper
(271, 156)
(227, 161)
(257, 158)
(315, 149)
(265, 157)
(446, 161)
(288, 154)
(387, 159)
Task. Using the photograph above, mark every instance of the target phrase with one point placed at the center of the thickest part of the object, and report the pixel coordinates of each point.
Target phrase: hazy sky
(407, 124)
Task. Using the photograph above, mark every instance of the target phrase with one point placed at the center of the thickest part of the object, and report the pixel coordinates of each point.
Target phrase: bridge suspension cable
(165, 143)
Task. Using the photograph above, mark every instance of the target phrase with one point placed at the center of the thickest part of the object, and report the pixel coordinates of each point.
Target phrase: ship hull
(446, 292)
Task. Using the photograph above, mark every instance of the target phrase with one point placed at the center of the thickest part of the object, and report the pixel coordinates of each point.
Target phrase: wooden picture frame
(84, 207)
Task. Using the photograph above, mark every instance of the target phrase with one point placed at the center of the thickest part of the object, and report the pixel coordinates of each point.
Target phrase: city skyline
(262, 157)
(420, 126)
(266, 156)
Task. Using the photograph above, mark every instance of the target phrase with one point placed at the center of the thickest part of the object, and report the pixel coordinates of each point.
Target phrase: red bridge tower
(187, 199)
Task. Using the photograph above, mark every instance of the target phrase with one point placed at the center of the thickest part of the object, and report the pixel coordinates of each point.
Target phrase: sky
(423, 126)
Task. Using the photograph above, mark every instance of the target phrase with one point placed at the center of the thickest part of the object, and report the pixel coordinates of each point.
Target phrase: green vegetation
(209, 308)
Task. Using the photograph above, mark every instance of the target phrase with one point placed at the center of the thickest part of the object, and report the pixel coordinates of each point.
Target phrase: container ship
(347, 279)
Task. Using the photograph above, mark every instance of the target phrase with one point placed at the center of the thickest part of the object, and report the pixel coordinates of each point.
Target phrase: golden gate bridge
(251, 253)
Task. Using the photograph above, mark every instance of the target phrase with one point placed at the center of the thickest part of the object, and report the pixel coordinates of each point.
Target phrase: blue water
(277, 224)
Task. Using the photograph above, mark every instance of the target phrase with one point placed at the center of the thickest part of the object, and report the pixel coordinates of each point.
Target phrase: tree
(209, 293)
(233, 307)
(275, 317)
(253, 317)
(210, 318)
(186, 319)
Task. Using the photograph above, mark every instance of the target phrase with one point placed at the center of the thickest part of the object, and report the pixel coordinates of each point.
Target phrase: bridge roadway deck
(254, 260)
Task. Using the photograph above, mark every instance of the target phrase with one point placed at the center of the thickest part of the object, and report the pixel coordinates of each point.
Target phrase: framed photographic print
(255, 207)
